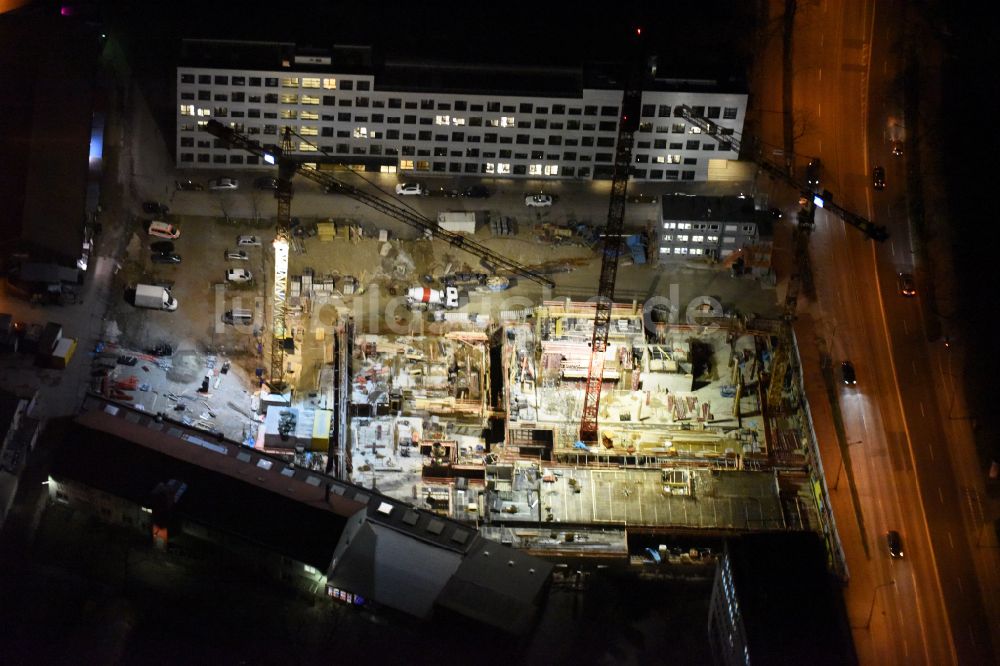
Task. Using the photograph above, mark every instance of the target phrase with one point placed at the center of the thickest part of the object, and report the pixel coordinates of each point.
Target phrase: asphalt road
(906, 463)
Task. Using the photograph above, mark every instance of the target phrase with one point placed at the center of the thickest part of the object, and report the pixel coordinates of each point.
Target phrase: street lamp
(840, 468)
(871, 610)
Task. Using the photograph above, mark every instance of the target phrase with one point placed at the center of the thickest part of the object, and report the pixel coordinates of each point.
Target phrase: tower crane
(628, 123)
(289, 166)
(727, 140)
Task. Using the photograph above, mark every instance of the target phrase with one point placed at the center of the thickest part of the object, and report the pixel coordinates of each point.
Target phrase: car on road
(812, 173)
(163, 230)
(878, 178)
(538, 200)
(161, 246)
(223, 183)
(240, 275)
(847, 373)
(476, 192)
(166, 258)
(154, 208)
(237, 255)
(188, 186)
(253, 241)
(906, 283)
(410, 189)
(265, 183)
(897, 148)
(895, 544)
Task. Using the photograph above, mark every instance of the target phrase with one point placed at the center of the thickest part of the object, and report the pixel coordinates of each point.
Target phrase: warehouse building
(410, 117)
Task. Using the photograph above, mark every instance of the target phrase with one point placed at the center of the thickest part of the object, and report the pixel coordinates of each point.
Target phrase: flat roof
(708, 209)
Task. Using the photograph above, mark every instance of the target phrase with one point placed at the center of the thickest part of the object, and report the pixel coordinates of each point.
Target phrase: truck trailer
(154, 297)
(460, 222)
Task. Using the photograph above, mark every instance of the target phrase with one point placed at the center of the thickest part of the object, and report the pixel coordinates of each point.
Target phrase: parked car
(538, 200)
(878, 178)
(154, 208)
(166, 258)
(266, 183)
(253, 241)
(907, 286)
(240, 275)
(223, 183)
(847, 373)
(237, 255)
(410, 189)
(895, 544)
(161, 246)
(163, 230)
(476, 192)
(188, 186)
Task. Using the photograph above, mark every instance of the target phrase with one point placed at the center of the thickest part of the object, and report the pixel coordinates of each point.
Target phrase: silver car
(240, 275)
(252, 241)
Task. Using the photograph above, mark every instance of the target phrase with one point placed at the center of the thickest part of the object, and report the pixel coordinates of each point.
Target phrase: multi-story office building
(444, 118)
(702, 226)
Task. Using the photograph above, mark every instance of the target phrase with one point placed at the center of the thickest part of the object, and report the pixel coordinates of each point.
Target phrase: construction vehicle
(628, 124)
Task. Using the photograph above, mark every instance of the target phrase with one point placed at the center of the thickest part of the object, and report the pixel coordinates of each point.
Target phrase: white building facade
(442, 118)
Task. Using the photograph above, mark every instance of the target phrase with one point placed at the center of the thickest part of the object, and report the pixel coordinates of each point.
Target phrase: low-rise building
(703, 227)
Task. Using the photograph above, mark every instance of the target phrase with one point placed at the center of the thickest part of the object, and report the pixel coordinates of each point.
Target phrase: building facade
(444, 118)
(704, 227)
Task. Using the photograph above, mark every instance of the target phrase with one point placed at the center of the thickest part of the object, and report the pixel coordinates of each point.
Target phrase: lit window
(289, 99)
(290, 82)
(289, 114)
(491, 167)
(669, 225)
(668, 237)
(682, 238)
(387, 168)
(442, 120)
(309, 130)
(680, 250)
(187, 109)
(694, 129)
(664, 250)
(330, 84)
(457, 121)
(310, 99)
(713, 239)
(308, 115)
(406, 164)
(535, 169)
(360, 132)
(507, 121)
(503, 167)
(659, 159)
(552, 170)
(310, 83)
(673, 159)
(697, 239)
(696, 250)
(307, 147)
(683, 225)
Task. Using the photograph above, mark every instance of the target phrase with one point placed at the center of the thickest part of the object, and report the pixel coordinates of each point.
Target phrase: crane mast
(628, 123)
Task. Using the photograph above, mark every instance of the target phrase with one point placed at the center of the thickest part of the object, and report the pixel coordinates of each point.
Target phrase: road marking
(906, 329)
(892, 246)
(819, 110)
(821, 74)
(959, 580)
(951, 542)
(940, 495)
(913, 364)
(922, 410)
(931, 450)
